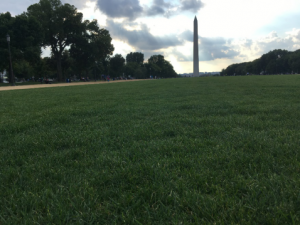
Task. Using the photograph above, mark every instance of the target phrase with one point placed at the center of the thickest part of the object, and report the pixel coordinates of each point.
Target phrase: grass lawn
(216, 150)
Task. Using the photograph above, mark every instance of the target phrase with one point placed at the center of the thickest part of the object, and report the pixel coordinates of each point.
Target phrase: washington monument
(196, 49)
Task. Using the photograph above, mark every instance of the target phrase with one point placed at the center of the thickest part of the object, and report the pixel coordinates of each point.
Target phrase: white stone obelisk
(196, 49)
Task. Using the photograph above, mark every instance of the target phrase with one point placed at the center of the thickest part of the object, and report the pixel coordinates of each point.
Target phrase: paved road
(7, 88)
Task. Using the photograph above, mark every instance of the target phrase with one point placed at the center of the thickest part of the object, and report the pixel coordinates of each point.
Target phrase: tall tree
(6, 21)
(117, 65)
(92, 47)
(158, 66)
(157, 60)
(62, 23)
(274, 62)
(25, 41)
(167, 70)
(135, 57)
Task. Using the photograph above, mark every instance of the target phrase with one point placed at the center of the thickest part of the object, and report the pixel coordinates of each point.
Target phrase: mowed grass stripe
(221, 150)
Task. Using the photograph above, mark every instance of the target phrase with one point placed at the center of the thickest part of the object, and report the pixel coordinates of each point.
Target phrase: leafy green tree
(152, 69)
(104, 65)
(241, 69)
(136, 70)
(68, 65)
(23, 69)
(130, 68)
(135, 57)
(46, 67)
(158, 66)
(157, 60)
(62, 24)
(295, 63)
(92, 47)
(140, 73)
(274, 62)
(97, 70)
(271, 67)
(167, 70)
(25, 40)
(6, 21)
(117, 65)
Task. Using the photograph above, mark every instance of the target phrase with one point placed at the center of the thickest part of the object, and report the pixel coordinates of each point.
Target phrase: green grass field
(218, 150)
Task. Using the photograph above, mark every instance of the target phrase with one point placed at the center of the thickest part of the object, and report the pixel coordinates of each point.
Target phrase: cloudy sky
(230, 31)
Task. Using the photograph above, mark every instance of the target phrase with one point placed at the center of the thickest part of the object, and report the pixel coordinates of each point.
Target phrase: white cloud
(122, 48)
(79, 4)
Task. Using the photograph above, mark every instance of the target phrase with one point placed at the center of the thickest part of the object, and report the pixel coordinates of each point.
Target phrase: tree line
(274, 62)
(78, 47)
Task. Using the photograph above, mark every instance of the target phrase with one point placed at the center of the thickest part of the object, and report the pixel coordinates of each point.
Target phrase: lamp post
(12, 77)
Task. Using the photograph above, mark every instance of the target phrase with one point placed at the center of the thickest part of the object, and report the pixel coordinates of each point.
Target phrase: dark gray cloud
(215, 48)
(191, 5)
(141, 39)
(209, 48)
(248, 43)
(132, 9)
(159, 7)
(187, 36)
(129, 9)
(181, 57)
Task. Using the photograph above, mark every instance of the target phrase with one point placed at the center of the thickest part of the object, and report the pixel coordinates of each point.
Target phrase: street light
(12, 77)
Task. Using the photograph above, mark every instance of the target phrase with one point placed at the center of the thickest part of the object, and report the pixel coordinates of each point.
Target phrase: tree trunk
(59, 70)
